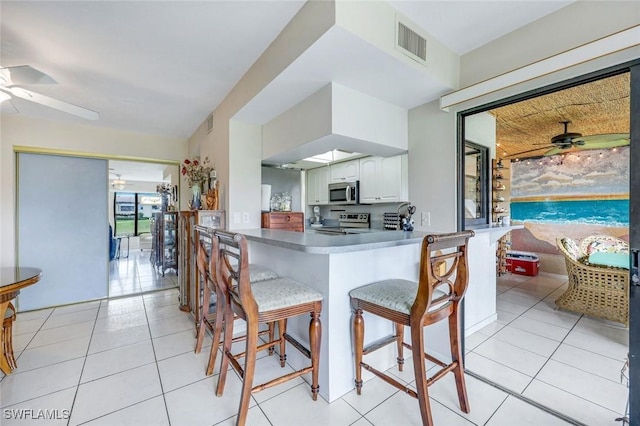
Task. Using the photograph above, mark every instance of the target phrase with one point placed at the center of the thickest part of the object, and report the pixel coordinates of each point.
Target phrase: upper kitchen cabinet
(347, 171)
(383, 180)
(318, 186)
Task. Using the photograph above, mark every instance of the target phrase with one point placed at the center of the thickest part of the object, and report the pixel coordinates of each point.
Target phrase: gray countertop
(494, 228)
(311, 242)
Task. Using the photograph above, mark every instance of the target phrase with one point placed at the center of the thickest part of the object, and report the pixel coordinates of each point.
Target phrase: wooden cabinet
(164, 246)
(287, 221)
(318, 186)
(185, 274)
(383, 180)
(189, 285)
(345, 171)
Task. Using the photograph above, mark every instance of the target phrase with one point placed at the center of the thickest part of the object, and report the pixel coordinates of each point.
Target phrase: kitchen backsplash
(282, 180)
(376, 211)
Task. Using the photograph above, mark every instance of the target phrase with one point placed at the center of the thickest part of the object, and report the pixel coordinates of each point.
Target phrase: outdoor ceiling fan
(11, 77)
(567, 141)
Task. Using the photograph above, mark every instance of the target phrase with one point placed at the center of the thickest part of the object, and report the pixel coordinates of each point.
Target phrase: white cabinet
(383, 180)
(345, 171)
(318, 186)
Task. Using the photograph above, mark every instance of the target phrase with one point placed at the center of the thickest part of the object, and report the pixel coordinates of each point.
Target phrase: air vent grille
(210, 123)
(411, 42)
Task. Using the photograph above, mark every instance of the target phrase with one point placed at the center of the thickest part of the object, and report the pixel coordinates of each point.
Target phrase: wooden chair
(262, 302)
(434, 298)
(212, 293)
(7, 335)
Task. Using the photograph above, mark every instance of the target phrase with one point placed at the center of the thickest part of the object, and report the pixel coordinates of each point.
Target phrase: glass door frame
(633, 67)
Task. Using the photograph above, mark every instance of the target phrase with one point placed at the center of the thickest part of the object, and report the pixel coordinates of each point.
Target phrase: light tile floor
(135, 274)
(130, 361)
(565, 361)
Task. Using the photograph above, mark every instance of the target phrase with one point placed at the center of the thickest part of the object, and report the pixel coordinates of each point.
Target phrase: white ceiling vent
(410, 42)
(210, 123)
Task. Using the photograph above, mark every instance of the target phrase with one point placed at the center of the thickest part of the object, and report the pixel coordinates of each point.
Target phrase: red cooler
(522, 263)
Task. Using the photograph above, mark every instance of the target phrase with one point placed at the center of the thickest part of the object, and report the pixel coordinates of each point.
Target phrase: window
(133, 212)
(476, 184)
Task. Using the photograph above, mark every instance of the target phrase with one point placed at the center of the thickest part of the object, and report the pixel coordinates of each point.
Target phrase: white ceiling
(162, 67)
(463, 26)
(140, 172)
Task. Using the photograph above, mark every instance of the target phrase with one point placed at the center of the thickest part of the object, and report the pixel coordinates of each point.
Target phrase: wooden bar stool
(442, 284)
(262, 302)
(211, 293)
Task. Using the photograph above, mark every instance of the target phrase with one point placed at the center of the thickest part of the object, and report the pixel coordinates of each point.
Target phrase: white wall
(335, 117)
(313, 20)
(245, 178)
(572, 26)
(306, 121)
(360, 116)
(375, 23)
(17, 130)
(481, 129)
(432, 167)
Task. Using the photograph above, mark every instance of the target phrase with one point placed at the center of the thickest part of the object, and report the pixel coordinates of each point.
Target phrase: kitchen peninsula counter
(336, 264)
(310, 242)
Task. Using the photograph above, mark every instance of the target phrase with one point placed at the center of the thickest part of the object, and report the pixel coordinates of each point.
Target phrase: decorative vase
(196, 195)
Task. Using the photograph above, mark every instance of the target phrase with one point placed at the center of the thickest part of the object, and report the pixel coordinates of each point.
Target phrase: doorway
(134, 209)
(534, 351)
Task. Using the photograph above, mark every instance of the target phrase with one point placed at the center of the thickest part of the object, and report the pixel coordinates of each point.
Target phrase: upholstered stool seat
(435, 297)
(396, 294)
(282, 293)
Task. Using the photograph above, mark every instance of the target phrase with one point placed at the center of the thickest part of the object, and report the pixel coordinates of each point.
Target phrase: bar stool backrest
(233, 272)
(445, 273)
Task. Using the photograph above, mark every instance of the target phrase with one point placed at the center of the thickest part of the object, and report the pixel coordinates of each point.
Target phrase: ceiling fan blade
(561, 150)
(526, 152)
(607, 137)
(54, 103)
(605, 144)
(24, 74)
(7, 107)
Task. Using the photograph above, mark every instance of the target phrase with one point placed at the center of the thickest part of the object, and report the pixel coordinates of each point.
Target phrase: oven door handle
(348, 193)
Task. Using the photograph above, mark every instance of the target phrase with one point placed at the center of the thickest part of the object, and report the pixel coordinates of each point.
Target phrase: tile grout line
(32, 337)
(155, 357)
(527, 400)
(139, 402)
(84, 363)
(520, 395)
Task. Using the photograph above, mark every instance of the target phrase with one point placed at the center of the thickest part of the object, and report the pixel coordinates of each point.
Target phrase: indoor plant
(197, 174)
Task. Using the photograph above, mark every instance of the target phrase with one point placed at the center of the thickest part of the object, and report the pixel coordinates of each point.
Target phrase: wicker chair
(604, 243)
(597, 291)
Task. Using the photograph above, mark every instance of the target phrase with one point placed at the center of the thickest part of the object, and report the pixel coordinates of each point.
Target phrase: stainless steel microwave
(344, 193)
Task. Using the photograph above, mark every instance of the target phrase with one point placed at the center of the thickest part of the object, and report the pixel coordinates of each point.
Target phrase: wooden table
(12, 280)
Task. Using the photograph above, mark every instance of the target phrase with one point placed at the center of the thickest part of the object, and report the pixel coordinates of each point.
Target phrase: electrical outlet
(425, 218)
(245, 217)
(237, 217)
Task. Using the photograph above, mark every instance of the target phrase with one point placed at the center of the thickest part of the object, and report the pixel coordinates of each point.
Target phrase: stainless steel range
(349, 223)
